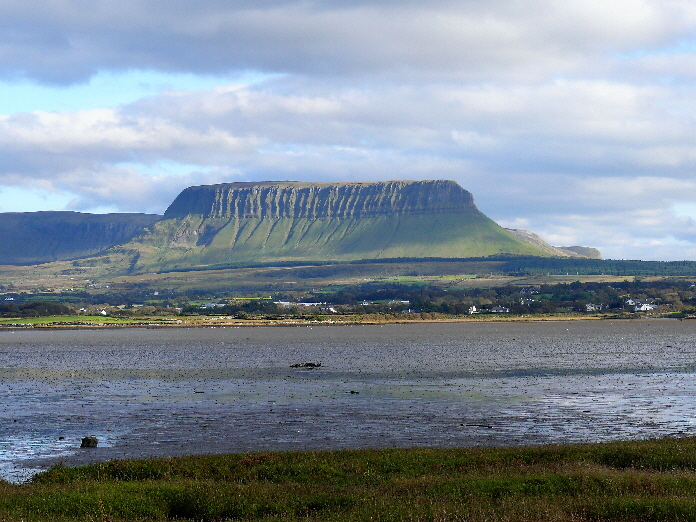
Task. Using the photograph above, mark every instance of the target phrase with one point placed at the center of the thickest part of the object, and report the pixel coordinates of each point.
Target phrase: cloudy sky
(575, 119)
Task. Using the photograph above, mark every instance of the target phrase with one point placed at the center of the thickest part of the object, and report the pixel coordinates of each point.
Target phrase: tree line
(35, 309)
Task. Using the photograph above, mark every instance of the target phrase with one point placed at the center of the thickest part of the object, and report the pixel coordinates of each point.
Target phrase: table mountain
(269, 222)
(292, 221)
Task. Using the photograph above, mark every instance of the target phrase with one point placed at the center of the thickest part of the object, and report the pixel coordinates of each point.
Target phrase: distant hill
(582, 251)
(570, 251)
(236, 224)
(28, 238)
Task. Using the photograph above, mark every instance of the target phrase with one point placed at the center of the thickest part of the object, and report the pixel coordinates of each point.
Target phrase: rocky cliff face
(276, 200)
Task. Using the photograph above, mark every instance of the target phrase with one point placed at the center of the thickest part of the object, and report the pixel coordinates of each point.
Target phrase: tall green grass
(627, 481)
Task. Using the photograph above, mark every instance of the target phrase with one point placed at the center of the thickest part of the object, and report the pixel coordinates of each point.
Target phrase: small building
(641, 305)
(644, 307)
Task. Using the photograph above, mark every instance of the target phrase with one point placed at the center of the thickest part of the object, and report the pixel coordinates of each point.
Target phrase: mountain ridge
(29, 238)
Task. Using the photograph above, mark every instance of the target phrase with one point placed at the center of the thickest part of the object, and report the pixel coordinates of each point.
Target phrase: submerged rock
(89, 442)
(305, 365)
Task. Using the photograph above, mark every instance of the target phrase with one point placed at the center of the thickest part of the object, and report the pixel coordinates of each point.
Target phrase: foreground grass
(631, 481)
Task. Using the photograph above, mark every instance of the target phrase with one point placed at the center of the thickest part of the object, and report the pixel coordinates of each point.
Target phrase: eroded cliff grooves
(275, 200)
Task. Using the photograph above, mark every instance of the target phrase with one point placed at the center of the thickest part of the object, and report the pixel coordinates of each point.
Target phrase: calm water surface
(152, 392)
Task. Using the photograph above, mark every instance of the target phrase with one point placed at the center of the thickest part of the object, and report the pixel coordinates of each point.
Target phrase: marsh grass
(627, 481)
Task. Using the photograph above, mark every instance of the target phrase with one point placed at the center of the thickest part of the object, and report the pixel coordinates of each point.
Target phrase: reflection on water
(176, 391)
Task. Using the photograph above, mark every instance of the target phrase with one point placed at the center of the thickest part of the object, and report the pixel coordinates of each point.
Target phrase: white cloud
(574, 118)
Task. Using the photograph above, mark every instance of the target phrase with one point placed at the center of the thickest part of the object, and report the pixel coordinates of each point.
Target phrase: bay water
(174, 391)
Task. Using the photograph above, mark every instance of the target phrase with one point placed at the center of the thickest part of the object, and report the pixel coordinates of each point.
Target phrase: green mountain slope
(239, 223)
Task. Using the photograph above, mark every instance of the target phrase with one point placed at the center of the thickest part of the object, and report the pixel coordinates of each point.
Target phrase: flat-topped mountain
(250, 223)
(237, 223)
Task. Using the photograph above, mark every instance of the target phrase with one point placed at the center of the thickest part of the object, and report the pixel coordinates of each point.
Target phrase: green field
(63, 277)
(95, 320)
(626, 481)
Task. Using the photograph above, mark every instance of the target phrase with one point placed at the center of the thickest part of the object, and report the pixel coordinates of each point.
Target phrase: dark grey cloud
(66, 41)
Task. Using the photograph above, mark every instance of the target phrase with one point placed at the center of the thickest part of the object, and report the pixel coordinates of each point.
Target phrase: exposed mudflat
(160, 392)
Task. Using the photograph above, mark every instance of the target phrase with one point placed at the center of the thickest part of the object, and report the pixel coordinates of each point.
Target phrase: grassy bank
(651, 480)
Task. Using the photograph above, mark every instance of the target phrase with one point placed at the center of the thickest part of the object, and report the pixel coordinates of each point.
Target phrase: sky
(575, 119)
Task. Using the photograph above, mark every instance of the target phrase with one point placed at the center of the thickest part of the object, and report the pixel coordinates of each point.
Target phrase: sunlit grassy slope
(197, 241)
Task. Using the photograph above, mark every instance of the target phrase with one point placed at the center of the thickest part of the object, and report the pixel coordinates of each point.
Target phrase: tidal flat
(184, 391)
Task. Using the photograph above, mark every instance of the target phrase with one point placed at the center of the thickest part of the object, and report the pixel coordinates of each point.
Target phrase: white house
(644, 307)
(641, 305)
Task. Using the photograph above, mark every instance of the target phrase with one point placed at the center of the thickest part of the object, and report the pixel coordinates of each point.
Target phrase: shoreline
(324, 321)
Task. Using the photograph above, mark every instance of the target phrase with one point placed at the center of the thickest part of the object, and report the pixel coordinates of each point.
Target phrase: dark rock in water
(305, 365)
(89, 442)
